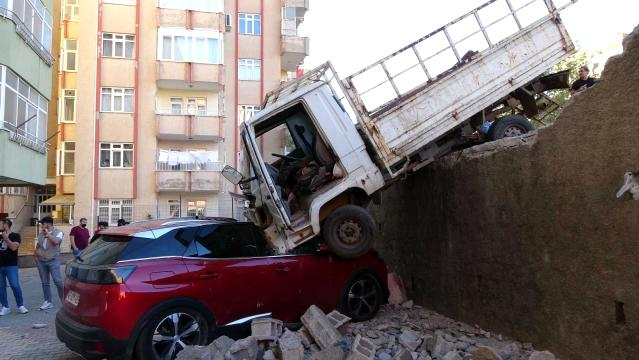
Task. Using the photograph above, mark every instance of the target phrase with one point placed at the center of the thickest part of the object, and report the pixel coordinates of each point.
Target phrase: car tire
(156, 338)
(348, 231)
(362, 296)
(509, 126)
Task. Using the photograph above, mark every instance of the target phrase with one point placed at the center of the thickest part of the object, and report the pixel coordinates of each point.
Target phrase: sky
(355, 33)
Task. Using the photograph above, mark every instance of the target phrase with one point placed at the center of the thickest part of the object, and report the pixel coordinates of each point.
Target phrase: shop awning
(59, 200)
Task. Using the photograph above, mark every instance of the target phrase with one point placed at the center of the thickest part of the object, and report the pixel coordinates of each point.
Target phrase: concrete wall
(530, 241)
(12, 158)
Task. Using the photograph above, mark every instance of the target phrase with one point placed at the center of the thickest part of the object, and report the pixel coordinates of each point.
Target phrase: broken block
(542, 355)
(291, 346)
(268, 355)
(330, 353)
(307, 340)
(320, 327)
(245, 349)
(266, 329)
(403, 354)
(362, 349)
(486, 353)
(410, 340)
(452, 355)
(220, 346)
(194, 352)
(396, 290)
(337, 318)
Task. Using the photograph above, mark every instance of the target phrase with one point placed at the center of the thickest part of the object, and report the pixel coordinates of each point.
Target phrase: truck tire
(509, 126)
(349, 231)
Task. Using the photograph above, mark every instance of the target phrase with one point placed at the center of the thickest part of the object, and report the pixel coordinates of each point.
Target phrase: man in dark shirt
(79, 236)
(584, 81)
(101, 226)
(9, 243)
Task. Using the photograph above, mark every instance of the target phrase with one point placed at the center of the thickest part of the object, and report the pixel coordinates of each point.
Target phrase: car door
(230, 271)
(284, 298)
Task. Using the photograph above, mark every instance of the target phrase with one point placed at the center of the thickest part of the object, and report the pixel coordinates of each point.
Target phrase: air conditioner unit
(227, 22)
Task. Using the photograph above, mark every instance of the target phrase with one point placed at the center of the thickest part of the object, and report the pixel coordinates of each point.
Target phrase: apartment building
(26, 60)
(150, 97)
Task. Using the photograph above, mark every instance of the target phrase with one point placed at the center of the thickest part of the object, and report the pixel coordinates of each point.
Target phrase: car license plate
(73, 297)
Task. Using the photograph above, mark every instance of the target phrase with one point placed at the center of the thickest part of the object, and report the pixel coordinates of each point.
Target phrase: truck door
(270, 193)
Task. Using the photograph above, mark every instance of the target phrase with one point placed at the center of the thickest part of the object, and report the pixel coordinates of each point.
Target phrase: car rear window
(109, 249)
(104, 251)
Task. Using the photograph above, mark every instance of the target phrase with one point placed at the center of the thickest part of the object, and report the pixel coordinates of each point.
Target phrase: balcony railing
(190, 76)
(27, 36)
(189, 125)
(188, 181)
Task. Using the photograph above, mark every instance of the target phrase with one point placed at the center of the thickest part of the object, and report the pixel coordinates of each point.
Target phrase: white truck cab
(322, 147)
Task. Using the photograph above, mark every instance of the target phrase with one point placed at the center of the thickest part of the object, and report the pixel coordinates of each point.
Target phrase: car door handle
(282, 269)
(210, 275)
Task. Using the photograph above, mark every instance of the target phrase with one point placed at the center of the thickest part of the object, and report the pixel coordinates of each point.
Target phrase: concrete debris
(485, 353)
(396, 290)
(330, 353)
(291, 346)
(396, 333)
(39, 326)
(362, 349)
(320, 327)
(266, 329)
(245, 349)
(542, 355)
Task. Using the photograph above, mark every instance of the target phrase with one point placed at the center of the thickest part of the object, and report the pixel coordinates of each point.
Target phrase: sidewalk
(19, 339)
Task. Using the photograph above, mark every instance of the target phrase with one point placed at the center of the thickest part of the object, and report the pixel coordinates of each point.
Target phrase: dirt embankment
(531, 241)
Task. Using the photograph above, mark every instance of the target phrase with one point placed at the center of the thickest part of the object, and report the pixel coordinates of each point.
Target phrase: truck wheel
(349, 231)
(509, 126)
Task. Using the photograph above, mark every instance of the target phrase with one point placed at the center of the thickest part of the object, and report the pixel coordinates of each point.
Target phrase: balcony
(188, 181)
(300, 4)
(190, 76)
(294, 50)
(189, 171)
(189, 127)
(179, 18)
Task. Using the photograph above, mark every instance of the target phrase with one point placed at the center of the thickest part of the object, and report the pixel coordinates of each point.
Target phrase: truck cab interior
(301, 164)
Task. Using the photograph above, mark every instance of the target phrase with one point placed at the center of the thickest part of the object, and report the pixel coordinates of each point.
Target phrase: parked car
(149, 289)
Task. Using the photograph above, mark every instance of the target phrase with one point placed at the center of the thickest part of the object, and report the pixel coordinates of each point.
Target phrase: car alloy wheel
(363, 298)
(174, 333)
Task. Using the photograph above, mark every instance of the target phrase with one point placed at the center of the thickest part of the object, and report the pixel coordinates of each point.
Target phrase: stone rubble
(403, 331)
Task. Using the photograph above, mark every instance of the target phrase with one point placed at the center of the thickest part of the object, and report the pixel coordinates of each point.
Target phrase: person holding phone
(47, 255)
(9, 243)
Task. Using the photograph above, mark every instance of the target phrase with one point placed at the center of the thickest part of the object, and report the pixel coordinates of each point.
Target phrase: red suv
(151, 288)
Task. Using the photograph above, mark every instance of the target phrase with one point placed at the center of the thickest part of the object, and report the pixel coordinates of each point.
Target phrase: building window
(113, 210)
(117, 100)
(197, 5)
(249, 69)
(118, 45)
(71, 10)
(67, 158)
(250, 24)
(25, 110)
(70, 55)
(67, 112)
(245, 112)
(174, 208)
(196, 208)
(176, 106)
(189, 46)
(33, 24)
(116, 156)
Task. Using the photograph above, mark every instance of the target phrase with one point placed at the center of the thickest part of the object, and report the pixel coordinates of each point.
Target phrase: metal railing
(21, 137)
(27, 36)
(400, 71)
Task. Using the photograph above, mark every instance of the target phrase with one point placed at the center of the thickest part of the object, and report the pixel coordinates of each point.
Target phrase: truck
(323, 147)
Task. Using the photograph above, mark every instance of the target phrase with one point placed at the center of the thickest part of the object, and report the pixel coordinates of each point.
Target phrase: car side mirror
(232, 175)
(323, 249)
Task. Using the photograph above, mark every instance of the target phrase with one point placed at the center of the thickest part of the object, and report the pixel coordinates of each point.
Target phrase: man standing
(79, 237)
(584, 81)
(47, 255)
(101, 226)
(9, 243)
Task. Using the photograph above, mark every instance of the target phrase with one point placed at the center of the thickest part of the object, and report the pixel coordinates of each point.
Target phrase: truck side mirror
(232, 175)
